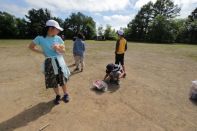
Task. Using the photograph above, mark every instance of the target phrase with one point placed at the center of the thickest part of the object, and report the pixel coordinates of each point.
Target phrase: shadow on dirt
(29, 115)
(111, 89)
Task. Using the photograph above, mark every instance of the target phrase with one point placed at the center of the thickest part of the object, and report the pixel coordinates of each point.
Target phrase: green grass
(14, 42)
(175, 50)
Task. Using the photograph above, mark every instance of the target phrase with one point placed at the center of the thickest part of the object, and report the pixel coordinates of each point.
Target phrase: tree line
(33, 23)
(155, 22)
(158, 23)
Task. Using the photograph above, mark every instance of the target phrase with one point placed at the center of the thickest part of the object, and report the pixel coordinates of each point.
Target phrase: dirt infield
(153, 97)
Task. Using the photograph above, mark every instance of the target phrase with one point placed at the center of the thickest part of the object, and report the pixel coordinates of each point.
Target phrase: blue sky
(116, 13)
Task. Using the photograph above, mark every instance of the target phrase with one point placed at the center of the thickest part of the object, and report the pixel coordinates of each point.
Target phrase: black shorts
(119, 59)
(52, 80)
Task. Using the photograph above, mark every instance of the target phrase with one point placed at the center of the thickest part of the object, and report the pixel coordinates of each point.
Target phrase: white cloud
(99, 7)
(140, 3)
(97, 14)
(81, 5)
(14, 9)
(118, 21)
(187, 6)
(184, 2)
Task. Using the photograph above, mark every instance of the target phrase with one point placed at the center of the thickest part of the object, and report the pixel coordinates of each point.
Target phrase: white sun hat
(55, 24)
(120, 32)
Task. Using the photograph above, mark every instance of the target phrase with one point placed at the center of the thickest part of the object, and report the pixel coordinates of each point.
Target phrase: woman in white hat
(55, 69)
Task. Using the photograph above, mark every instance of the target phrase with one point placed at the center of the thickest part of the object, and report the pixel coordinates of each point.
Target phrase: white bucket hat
(120, 32)
(55, 24)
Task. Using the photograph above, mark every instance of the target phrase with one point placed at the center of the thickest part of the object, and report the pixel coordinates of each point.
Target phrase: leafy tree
(109, 33)
(154, 22)
(187, 29)
(100, 30)
(138, 27)
(36, 20)
(192, 27)
(78, 22)
(181, 30)
(166, 8)
(7, 25)
(162, 31)
(22, 28)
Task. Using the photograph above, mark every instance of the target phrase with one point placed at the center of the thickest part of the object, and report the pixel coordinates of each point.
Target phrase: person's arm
(117, 45)
(126, 46)
(74, 47)
(106, 76)
(33, 47)
(84, 48)
(121, 74)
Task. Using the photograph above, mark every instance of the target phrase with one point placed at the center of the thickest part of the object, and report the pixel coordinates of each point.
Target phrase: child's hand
(58, 47)
(61, 47)
(55, 46)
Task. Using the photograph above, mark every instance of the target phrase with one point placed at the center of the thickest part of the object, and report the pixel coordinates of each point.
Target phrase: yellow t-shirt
(122, 46)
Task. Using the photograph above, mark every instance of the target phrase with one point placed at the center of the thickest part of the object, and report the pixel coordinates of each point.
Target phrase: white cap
(120, 32)
(55, 24)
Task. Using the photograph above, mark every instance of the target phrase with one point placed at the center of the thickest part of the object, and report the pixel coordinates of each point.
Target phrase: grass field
(181, 50)
(153, 96)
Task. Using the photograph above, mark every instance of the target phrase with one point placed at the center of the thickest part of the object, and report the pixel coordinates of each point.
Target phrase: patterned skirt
(51, 79)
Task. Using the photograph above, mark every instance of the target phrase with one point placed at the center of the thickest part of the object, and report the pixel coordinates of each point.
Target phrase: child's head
(52, 28)
(109, 68)
(120, 33)
(74, 38)
(112, 68)
(80, 36)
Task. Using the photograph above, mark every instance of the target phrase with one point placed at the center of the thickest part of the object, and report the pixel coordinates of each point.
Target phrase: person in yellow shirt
(121, 47)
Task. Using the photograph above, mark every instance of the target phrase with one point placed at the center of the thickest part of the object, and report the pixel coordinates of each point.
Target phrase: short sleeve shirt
(46, 43)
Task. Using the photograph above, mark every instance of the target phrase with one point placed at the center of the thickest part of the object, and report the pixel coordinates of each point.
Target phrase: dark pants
(119, 59)
(52, 80)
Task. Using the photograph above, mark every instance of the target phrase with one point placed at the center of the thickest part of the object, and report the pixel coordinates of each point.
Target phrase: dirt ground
(153, 97)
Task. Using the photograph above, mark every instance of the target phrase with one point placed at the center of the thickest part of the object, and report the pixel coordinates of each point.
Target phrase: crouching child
(113, 74)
